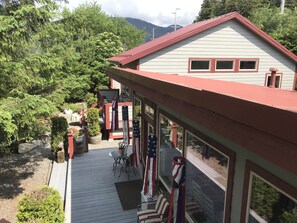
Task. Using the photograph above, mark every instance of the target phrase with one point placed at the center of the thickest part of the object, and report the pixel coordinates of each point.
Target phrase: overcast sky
(158, 12)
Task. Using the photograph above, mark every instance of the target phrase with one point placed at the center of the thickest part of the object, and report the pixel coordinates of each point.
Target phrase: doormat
(129, 193)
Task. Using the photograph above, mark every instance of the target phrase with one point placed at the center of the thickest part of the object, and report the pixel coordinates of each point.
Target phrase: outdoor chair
(156, 213)
(127, 165)
(158, 218)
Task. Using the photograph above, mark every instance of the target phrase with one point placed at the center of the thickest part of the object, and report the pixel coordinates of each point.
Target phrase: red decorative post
(70, 145)
(272, 77)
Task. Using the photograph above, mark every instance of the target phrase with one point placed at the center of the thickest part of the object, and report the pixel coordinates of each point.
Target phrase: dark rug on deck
(129, 193)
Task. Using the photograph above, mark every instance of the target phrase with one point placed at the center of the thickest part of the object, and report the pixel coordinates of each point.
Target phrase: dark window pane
(171, 145)
(200, 64)
(224, 65)
(247, 65)
(206, 181)
(269, 204)
(277, 81)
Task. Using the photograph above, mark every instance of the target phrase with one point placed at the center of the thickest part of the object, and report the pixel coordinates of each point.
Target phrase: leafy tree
(282, 27)
(264, 13)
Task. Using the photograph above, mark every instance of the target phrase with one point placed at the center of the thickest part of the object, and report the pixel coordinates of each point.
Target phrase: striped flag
(177, 199)
(136, 143)
(125, 118)
(149, 183)
(114, 115)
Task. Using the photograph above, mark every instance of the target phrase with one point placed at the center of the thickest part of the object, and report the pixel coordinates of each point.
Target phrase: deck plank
(91, 194)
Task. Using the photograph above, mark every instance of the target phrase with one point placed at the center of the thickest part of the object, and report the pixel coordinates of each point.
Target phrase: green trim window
(206, 181)
(171, 145)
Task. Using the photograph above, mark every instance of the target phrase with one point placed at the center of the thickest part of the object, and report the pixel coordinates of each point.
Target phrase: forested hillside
(48, 58)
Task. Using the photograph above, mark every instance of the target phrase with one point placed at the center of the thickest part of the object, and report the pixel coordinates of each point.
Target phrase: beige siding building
(228, 48)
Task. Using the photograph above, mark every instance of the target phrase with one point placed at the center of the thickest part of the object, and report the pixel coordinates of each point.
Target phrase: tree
(264, 13)
(282, 27)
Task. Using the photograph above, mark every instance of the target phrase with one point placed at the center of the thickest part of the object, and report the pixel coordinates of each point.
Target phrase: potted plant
(78, 142)
(93, 126)
(59, 141)
(121, 149)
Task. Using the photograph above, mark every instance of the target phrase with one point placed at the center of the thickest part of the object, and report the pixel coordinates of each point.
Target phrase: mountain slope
(153, 31)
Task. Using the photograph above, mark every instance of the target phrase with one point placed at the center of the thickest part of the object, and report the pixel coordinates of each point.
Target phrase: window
(149, 111)
(248, 65)
(269, 204)
(278, 80)
(206, 181)
(171, 145)
(202, 65)
(224, 65)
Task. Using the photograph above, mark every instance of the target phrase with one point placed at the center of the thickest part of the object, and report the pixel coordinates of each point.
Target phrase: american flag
(136, 142)
(125, 118)
(149, 184)
(114, 116)
(177, 199)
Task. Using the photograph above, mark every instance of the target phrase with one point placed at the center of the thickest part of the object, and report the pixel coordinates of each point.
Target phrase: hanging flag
(136, 143)
(114, 115)
(177, 199)
(125, 118)
(149, 183)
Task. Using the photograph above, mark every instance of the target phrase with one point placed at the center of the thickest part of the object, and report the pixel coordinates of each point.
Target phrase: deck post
(70, 145)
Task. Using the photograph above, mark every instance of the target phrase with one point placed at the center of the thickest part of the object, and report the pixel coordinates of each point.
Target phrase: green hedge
(59, 128)
(41, 205)
(93, 121)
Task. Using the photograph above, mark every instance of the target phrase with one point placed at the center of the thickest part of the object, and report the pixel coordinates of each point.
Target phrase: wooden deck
(91, 194)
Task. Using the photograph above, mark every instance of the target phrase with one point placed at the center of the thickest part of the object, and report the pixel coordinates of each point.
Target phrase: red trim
(277, 182)
(278, 74)
(191, 30)
(213, 62)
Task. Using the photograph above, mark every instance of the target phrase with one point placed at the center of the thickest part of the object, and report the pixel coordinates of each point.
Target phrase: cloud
(158, 12)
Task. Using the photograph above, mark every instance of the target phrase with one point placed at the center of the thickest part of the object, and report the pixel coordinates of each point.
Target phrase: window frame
(225, 70)
(231, 156)
(248, 70)
(278, 74)
(200, 70)
(253, 169)
(213, 63)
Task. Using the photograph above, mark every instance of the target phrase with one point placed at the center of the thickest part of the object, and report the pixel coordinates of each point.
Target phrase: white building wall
(228, 40)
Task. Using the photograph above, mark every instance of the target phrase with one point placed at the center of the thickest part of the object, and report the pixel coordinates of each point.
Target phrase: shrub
(59, 132)
(93, 122)
(91, 101)
(41, 205)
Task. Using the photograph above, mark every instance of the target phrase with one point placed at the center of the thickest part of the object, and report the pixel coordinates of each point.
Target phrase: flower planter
(79, 145)
(95, 139)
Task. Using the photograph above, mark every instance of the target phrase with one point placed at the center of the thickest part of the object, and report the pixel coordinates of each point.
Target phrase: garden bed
(19, 174)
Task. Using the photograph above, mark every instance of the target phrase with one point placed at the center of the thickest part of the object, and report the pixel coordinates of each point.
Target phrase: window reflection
(137, 108)
(171, 144)
(149, 111)
(269, 204)
(206, 181)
